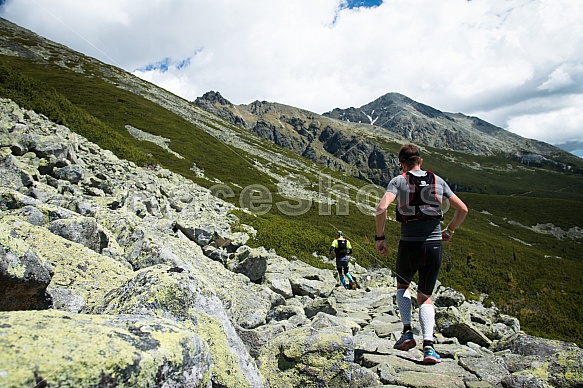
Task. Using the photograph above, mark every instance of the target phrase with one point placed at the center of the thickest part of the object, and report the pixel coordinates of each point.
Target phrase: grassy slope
(532, 276)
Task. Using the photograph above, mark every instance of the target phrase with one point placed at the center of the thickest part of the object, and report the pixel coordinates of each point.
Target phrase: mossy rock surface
(307, 357)
(60, 349)
(76, 269)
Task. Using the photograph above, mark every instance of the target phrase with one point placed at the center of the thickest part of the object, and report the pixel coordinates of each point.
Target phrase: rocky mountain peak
(426, 125)
(213, 97)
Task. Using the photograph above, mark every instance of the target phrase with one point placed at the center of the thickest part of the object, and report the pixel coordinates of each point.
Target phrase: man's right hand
(382, 247)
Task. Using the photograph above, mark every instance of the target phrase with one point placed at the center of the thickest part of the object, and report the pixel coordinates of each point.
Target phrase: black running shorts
(419, 256)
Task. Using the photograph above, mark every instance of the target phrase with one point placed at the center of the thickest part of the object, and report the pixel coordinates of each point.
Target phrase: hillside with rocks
(114, 275)
(348, 148)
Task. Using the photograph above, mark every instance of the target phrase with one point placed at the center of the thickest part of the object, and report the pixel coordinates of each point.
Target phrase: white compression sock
(427, 320)
(404, 303)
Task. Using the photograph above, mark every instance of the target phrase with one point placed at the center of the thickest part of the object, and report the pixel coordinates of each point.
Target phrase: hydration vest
(341, 250)
(423, 203)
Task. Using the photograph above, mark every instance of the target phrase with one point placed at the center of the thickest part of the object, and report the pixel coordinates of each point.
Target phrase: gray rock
(174, 293)
(323, 357)
(279, 283)
(143, 350)
(216, 254)
(14, 175)
(24, 277)
(34, 216)
(447, 297)
(487, 367)
(72, 174)
(251, 262)
(323, 305)
(451, 323)
(83, 230)
(284, 312)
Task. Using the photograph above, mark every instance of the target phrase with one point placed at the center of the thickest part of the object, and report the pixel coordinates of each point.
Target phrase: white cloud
(497, 60)
(560, 125)
(564, 76)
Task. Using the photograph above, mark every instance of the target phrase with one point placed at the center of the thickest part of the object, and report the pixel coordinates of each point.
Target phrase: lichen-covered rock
(451, 323)
(56, 349)
(488, 367)
(324, 305)
(177, 294)
(308, 357)
(548, 362)
(83, 230)
(24, 278)
(77, 269)
(448, 297)
(309, 281)
(279, 284)
(14, 174)
(333, 323)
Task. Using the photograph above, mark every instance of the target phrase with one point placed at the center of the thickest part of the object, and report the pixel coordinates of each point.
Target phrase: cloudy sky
(517, 64)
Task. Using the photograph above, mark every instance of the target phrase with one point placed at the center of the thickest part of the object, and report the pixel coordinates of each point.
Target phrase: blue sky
(363, 3)
(517, 64)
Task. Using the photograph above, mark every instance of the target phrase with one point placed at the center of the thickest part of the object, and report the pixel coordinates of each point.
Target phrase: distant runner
(342, 248)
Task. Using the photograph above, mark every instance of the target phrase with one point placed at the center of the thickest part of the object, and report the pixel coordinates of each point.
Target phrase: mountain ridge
(405, 119)
(341, 140)
(384, 112)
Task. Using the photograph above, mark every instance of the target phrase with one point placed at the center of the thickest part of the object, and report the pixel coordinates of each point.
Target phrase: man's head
(409, 156)
(340, 234)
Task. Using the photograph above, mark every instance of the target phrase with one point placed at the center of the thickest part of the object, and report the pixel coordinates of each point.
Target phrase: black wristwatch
(379, 238)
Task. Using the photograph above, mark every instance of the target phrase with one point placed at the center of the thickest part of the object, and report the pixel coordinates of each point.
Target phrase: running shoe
(406, 341)
(430, 356)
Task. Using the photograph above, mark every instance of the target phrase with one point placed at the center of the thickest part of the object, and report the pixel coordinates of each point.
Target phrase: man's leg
(427, 280)
(404, 303)
(427, 321)
(341, 276)
(407, 340)
(348, 275)
(404, 271)
(426, 318)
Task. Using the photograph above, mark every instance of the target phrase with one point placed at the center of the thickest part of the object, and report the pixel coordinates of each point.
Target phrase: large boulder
(24, 278)
(83, 230)
(175, 293)
(310, 357)
(306, 280)
(452, 323)
(80, 277)
(251, 262)
(57, 349)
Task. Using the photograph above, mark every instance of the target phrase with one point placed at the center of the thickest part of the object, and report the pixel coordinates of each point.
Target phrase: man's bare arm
(381, 218)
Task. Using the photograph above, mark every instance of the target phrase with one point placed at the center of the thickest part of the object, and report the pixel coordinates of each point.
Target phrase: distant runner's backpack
(423, 202)
(341, 250)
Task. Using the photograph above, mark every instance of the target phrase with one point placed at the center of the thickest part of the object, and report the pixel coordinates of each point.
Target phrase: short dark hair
(409, 155)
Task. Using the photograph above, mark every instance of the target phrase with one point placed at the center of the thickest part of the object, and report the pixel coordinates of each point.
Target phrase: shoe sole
(430, 360)
(406, 345)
